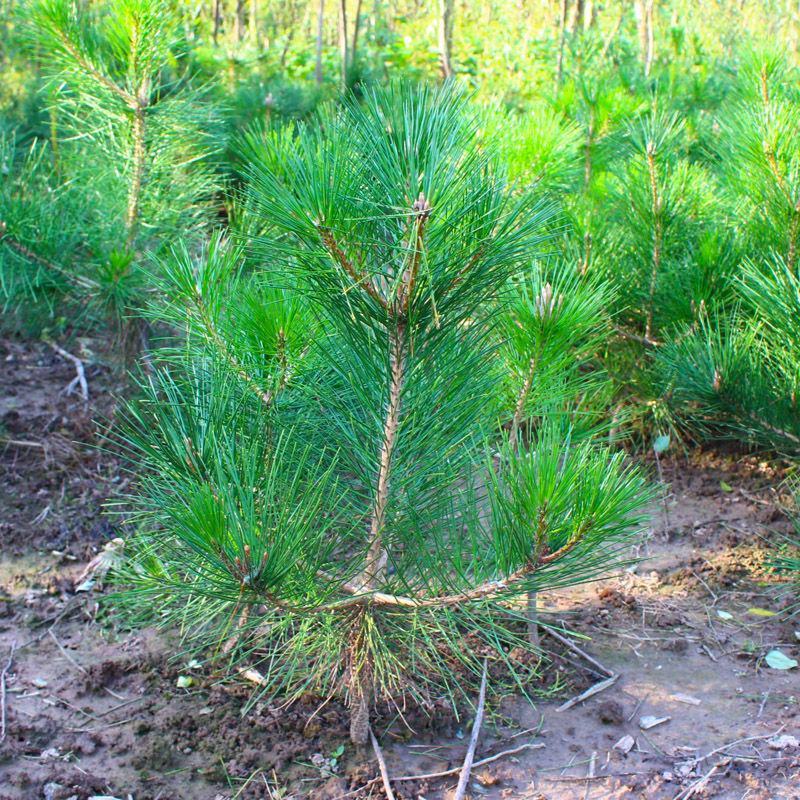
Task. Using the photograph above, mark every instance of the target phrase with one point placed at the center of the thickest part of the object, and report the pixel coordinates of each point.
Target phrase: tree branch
(339, 256)
(28, 254)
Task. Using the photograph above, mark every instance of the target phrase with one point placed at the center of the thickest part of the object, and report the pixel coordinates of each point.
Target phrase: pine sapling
(381, 532)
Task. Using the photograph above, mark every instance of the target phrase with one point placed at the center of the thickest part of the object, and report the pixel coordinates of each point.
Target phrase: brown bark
(344, 48)
(137, 170)
(446, 37)
(356, 31)
(217, 19)
(238, 26)
(252, 21)
(359, 683)
(644, 20)
(562, 38)
(320, 34)
(657, 236)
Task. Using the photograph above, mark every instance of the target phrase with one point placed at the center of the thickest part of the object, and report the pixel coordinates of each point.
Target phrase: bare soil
(92, 710)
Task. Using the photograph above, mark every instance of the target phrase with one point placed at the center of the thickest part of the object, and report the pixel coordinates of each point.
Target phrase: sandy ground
(92, 710)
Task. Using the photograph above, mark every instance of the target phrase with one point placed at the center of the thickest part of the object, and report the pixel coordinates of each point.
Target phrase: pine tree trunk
(239, 21)
(644, 21)
(562, 37)
(446, 37)
(217, 19)
(359, 688)
(138, 154)
(655, 199)
(320, 35)
(343, 43)
(356, 30)
(588, 15)
(253, 21)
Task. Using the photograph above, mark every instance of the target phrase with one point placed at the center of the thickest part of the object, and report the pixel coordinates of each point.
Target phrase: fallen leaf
(760, 612)
(726, 487)
(686, 698)
(778, 660)
(254, 676)
(184, 681)
(724, 614)
(625, 744)
(39, 683)
(487, 778)
(645, 723)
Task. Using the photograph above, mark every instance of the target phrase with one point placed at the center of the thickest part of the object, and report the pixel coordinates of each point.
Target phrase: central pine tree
(329, 479)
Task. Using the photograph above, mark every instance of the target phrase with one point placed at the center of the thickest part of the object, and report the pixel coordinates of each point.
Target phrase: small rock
(39, 683)
(625, 744)
(51, 789)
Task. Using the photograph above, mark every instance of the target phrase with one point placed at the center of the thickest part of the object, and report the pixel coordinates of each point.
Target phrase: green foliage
(338, 479)
(125, 160)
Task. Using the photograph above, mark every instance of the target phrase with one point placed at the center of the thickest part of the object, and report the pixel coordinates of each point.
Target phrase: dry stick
(3, 674)
(387, 786)
(463, 780)
(81, 375)
(572, 646)
(590, 692)
(737, 741)
(590, 776)
(448, 772)
(65, 653)
(21, 443)
(697, 785)
(764, 699)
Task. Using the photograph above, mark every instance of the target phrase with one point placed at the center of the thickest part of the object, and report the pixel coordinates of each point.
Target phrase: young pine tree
(760, 156)
(127, 149)
(323, 470)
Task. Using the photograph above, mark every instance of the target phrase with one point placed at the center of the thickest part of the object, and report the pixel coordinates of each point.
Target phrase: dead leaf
(487, 778)
(254, 676)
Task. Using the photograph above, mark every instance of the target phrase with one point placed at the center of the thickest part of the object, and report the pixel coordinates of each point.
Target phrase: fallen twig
(65, 653)
(446, 773)
(387, 785)
(21, 443)
(80, 377)
(572, 646)
(735, 742)
(592, 765)
(590, 692)
(463, 780)
(3, 674)
(696, 786)
(709, 653)
(764, 699)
